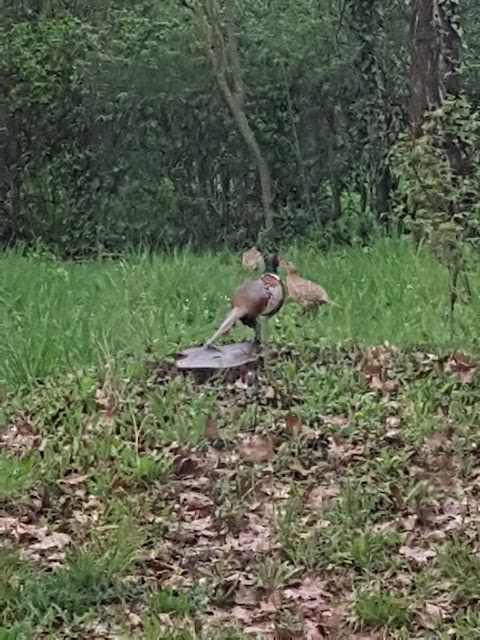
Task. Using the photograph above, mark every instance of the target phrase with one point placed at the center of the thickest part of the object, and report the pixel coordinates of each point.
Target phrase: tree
(8, 149)
(219, 34)
(435, 47)
(436, 164)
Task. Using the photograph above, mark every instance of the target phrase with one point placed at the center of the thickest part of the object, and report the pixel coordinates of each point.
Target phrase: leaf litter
(236, 520)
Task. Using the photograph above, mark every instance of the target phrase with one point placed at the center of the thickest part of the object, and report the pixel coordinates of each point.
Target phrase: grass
(56, 318)
(121, 516)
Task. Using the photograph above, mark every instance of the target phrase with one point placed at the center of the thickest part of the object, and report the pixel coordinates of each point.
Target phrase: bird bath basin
(223, 357)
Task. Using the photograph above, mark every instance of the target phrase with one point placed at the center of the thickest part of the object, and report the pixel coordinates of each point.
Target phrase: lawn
(331, 492)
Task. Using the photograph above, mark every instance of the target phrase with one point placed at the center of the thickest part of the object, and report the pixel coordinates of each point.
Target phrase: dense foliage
(118, 137)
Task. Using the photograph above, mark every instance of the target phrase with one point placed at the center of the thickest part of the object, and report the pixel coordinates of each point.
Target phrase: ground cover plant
(330, 492)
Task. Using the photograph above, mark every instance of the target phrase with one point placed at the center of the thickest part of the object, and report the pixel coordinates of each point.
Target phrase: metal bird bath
(226, 356)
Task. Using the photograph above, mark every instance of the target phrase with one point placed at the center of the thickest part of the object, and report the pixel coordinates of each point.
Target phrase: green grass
(55, 317)
(172, 536)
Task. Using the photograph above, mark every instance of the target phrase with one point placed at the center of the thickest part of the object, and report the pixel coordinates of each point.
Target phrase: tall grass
(56, 317)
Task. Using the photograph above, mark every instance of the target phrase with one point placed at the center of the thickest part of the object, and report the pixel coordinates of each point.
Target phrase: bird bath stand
(226, 356)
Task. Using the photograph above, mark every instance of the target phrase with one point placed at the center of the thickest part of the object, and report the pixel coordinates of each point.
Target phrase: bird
(252, 259)
(304, 292)
(261, 296)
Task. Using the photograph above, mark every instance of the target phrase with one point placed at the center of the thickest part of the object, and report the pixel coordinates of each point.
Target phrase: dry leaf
(247, 596)
(74, 479)
(271, 393)
(107, 398)
(417, 555)
(257, 449)
(20, 438)
(312, 631)
(293, 424)
(387, 386)
(52, 541)
(242, 614)
(336, 421)
(392, 422)
(134, 620)
(439, 438)
(432, 613)
(309, 593)
(195, 501)
(390, 386)
(211, 429)
(461, 368)
(319, 496)
(376, 383)
(409, 522)
(342, 451)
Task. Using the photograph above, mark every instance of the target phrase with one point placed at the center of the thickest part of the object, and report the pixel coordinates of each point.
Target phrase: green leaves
(122, 139)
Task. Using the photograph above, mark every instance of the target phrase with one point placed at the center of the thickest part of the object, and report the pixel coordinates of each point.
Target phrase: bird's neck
(274, 275)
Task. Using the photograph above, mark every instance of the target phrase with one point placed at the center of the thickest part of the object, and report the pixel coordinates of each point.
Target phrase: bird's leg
(212, 347)
(257, 341)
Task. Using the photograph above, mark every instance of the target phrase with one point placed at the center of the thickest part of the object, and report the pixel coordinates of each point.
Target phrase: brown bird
(252, 259)
(262, 296)
(304, 292)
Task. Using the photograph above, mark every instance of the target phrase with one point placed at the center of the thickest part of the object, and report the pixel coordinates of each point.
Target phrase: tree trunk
(251, 143)
(435, 56)
(296, 143)
(222, 49)
(8, 162)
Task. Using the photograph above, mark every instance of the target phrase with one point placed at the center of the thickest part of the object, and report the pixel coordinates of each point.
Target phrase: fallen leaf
(387, 386)
(52, 541)
(21, 438)
(211, 430)
(461, 368)
(439, 438)
(247, 596)
(134, 620)
(256, 449)
(319, 496)
(432, 613)
(390, 386)
(242, 614)
(336, 421)
(417, 555)
(312, 631)
(392, 422)
(309, 594)
(195, 501)
(293, 424)
(271, 393)
(165, 620)
(74, 479)
(409, 522)
(342, 451)
(376, 383)
(106, 397)
(255, 537)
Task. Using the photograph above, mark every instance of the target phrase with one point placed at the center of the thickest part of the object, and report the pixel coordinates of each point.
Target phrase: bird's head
(272, 263)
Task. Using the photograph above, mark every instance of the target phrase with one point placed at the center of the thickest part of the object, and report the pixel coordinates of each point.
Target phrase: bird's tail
(334, 304)
(235, 314)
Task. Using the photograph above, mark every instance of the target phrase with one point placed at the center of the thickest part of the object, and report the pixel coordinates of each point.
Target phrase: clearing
(332, 492)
